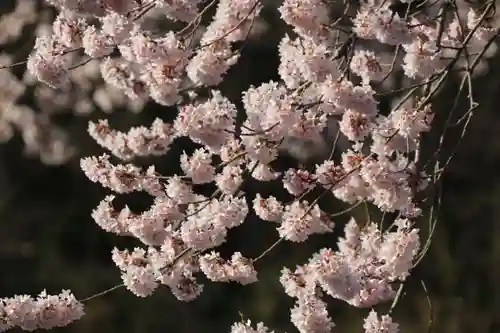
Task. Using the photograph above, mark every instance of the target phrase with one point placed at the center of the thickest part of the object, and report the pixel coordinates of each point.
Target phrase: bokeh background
(49, 241)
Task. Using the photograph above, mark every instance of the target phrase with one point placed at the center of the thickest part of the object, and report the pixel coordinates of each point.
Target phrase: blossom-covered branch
(336, 65)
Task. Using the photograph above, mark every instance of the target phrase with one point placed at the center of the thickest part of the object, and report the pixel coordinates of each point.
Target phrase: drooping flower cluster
(360, 272)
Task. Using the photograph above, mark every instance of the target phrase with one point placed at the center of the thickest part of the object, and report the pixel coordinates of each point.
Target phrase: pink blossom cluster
(43, 312)
(247, 327)
(331, 70)
(138, 141)
(380, 324)
(360, 272)
(363, 268)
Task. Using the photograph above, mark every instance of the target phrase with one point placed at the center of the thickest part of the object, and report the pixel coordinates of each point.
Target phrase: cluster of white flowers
(360, 272)
(239, 269)
(247, 327)
(43, 312)
(182, 229)
(383, 325)
(138, 141)
(144, 270)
